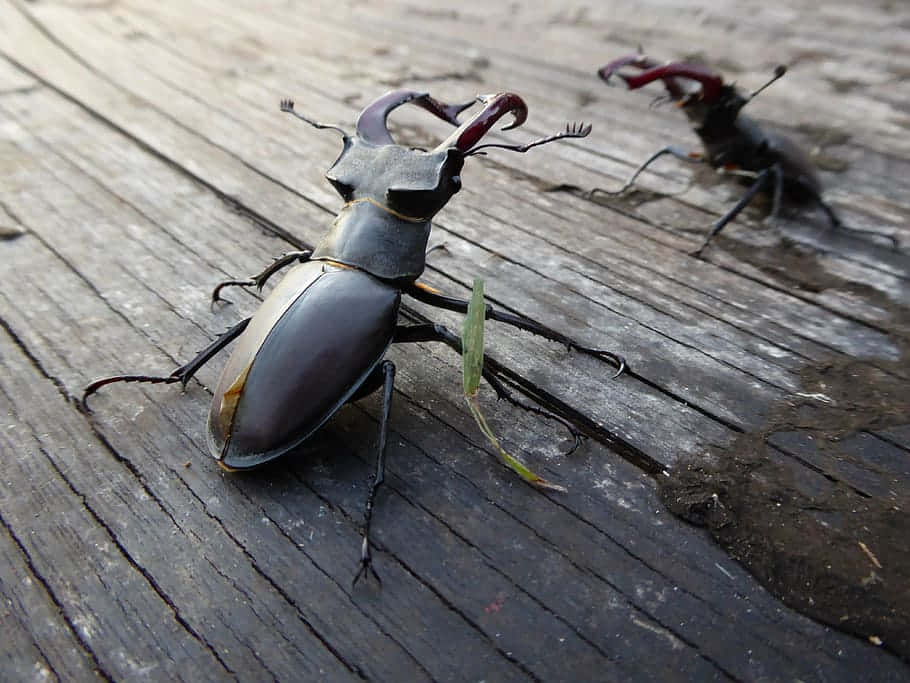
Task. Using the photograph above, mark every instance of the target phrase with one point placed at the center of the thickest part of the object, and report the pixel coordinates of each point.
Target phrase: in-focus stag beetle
(732, 141)
(318, 340)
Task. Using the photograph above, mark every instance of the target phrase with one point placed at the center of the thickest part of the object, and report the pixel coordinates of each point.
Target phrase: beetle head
(713, 107)
(414, 182)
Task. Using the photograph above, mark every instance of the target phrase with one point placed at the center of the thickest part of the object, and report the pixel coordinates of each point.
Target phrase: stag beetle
(732, 141)
(318, 340)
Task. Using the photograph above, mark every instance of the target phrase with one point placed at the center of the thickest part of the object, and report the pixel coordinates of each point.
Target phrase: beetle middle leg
(181, 374)
(678, 152)
(461, 306)
(259, 280)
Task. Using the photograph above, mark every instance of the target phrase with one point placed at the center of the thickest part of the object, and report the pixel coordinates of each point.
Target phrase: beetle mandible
(323, 332)
(732, 141)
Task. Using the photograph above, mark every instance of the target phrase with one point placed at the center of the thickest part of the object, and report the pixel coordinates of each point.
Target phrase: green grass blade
(472, 340)
(472, 364)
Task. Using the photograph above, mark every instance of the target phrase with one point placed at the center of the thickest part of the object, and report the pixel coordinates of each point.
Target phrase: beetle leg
(366, 560)
(678, 152)
(259, 280)
(759, 184)
(461, 306)
(181, 374)
(491, 370)
(838, 224)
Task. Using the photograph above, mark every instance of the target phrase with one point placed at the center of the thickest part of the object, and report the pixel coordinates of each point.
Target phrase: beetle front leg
(259, 280)
(181, 374)
(679, 153)
(366, 560)
(527, 324)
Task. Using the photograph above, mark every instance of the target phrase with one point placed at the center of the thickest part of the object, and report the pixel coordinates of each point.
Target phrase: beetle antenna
(779, 71)
(287, 106)
(573, 130)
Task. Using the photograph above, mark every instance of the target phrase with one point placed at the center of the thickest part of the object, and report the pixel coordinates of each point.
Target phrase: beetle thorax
(392, 192)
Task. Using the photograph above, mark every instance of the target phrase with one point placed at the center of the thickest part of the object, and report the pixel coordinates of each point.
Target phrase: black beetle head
(718, 115)
(413, 182)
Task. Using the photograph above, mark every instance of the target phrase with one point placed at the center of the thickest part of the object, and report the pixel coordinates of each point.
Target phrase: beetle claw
(366, 564)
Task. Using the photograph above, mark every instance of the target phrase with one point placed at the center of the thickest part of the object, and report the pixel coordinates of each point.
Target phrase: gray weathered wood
(143, 156)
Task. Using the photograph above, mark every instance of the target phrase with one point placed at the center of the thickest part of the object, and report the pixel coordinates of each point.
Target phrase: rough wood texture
(143, 159)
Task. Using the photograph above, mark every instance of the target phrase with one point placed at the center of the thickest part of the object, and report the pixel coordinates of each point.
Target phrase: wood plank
(39, 643)
(167, 125)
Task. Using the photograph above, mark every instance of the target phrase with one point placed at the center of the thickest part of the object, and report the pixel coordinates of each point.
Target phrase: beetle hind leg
(492, 371)
(258, 281)
(838, 224)
(387, 368)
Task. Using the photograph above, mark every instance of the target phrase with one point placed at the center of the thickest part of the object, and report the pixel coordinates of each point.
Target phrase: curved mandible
(635, 59)
(495, 107)
(711, 83)
(639, 61)
(371, 124)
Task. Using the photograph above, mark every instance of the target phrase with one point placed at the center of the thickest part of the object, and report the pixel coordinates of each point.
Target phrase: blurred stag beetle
(733, 142)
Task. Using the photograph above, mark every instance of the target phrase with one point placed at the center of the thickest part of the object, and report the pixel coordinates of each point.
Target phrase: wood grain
(143, 159)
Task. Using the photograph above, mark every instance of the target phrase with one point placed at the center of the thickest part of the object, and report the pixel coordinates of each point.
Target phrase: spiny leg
(491, 370)
(181, 374)
(838, 224)
(679, 153)
(759, 184)
(461, 306)
(259, 280)
(387, 368)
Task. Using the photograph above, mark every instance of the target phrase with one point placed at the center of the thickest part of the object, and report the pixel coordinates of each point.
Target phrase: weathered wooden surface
(143, 159)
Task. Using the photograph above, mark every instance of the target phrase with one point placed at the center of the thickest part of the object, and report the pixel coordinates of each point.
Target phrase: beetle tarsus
(504, 394)
(366, 565)
(150, 379)
(183, 374)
